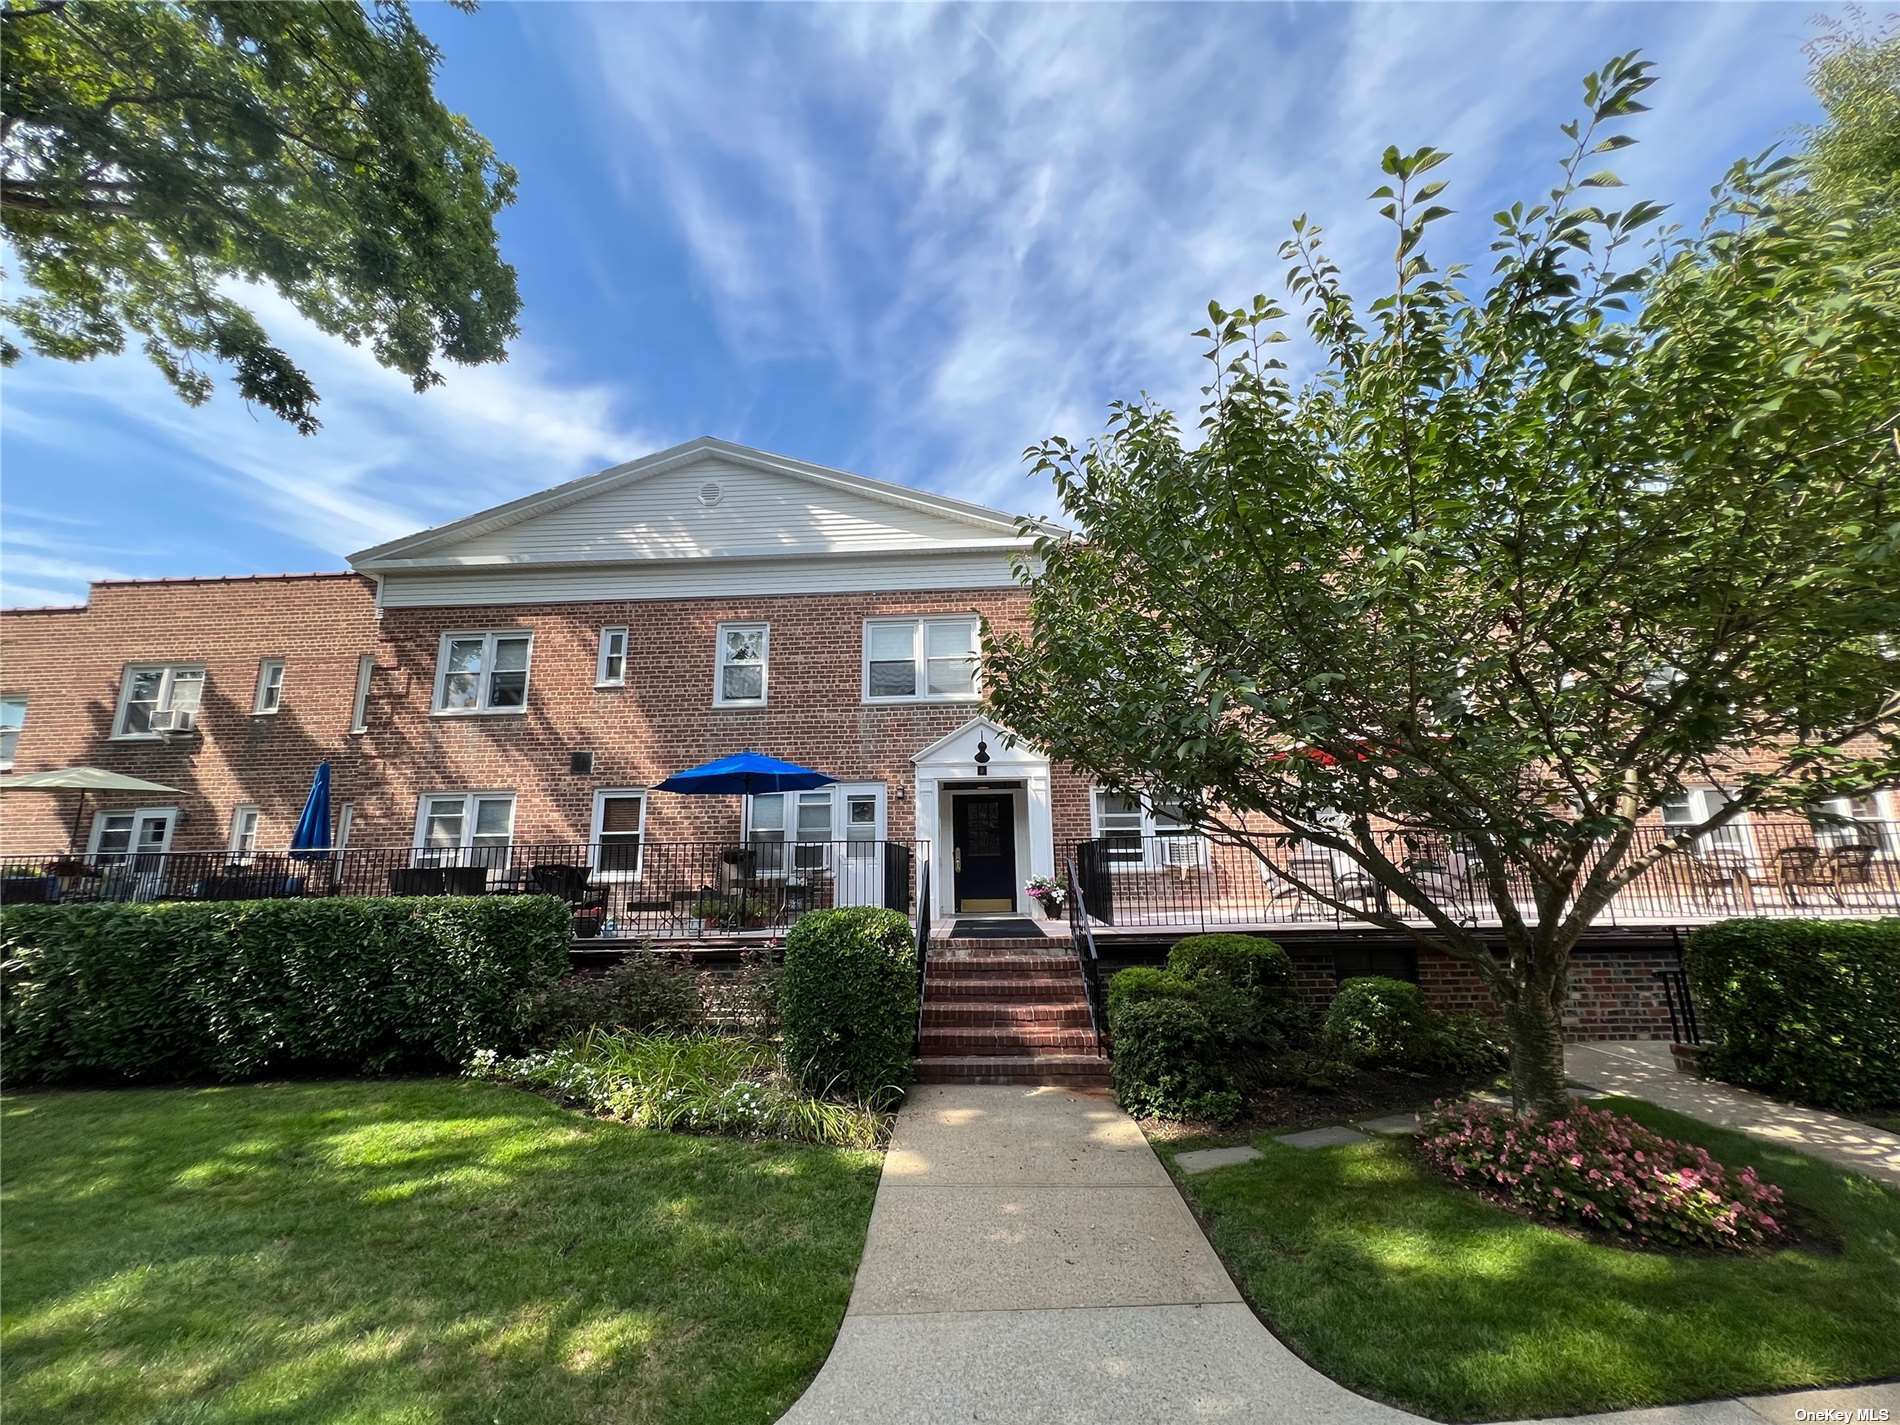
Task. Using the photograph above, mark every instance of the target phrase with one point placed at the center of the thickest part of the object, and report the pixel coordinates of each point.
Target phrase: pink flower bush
(1597, 1169)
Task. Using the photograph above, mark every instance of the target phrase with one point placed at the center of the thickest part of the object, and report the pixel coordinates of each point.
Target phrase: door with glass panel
(132, 846)
(828, 842)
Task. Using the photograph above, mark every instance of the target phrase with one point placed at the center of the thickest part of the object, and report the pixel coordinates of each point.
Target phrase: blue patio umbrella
(312, 838)
(745, 774)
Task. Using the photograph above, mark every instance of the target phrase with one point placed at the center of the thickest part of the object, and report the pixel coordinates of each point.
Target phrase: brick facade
(69, 664)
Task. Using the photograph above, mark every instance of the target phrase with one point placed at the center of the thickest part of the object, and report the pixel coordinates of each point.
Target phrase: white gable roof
(705, 499)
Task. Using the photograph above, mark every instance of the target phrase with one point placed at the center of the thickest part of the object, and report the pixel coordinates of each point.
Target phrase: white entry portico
(982, 759)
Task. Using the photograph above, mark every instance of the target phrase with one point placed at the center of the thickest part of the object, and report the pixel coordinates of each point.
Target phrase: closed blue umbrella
(312, 838)
(745, 774)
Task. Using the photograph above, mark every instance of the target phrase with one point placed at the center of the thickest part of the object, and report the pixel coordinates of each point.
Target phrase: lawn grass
(1399, 1285)
(409, 1251)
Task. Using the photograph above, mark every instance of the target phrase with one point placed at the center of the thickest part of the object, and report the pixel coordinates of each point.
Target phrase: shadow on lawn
(1400, 1285)
(296, 1252)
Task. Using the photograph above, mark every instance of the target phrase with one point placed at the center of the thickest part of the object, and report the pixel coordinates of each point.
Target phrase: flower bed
(1606, 1172)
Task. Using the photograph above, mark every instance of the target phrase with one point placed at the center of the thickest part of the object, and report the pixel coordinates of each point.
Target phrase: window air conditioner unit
(173, 721)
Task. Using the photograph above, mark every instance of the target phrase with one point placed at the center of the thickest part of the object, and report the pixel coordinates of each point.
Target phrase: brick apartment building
(525, 677)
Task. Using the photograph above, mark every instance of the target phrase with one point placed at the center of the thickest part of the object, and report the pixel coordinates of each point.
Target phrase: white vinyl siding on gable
(483, 672)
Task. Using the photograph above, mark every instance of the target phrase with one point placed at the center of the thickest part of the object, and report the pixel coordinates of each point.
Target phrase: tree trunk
(1535, 1023)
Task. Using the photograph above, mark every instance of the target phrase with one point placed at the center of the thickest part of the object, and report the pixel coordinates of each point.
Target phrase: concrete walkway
(1646, 1070)
(1029, 1260)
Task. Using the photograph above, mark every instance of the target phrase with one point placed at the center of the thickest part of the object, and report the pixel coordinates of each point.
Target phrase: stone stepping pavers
(1336, 1136)
(1393, 1123)
(1205, 1160)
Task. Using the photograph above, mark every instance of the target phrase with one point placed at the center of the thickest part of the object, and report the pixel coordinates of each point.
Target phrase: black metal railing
(922, 930)
(632, 888)
(1781, 867)
(1082, 939)
(1683, 1028)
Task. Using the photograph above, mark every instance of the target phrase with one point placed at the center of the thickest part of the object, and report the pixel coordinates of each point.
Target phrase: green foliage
(848, 1001)
(1140, 983)
(159, 157)
(643, 991)
(1524, 554)
(1855, 154)
(1467, 1046)
(688, 1083)
(1804, 1009)
(1378, 1023)
(1170, 1062)
(235, 989)
(1249, 963)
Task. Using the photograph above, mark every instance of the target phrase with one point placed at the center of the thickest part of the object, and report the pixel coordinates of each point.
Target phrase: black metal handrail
(923, 948)
(630, 888)
(1082, 938)
(1767, 867)
(1675, 985)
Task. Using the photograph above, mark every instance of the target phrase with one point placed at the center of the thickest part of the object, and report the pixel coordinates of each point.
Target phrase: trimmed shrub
(1170, 1062)
(234, 989)
(1466, 1045)
(1250, 963)
(1377, 1023)
(644, 991)
(1598, 1169)
(1140, 983)
(1805, 1009)
(848, 1001)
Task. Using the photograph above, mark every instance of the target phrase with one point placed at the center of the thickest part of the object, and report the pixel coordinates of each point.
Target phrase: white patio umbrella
(81, 780)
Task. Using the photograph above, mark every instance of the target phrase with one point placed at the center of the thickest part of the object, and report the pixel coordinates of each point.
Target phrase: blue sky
(903, 240)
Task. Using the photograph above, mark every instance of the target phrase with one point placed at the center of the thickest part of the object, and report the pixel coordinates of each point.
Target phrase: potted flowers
(1047, 892)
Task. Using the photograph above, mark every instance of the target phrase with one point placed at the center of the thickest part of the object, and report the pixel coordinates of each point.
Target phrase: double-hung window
(1135, 831)
(156, 698)
(1695, 805)
(610, 669)
(244, 832)
(1854, 821)
(744, 655)
(472, 828)
(619, 816)
(929, 659)
(12, 719)
(359, 708)
(270, 686)
(812, 825)
(483, 672)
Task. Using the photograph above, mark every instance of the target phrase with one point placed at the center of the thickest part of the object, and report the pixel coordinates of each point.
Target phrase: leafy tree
(157, 155)
(1514, 566)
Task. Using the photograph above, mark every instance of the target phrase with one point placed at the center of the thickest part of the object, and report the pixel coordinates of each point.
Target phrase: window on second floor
(610, 668)
(12, 719)
(744, 653)
(270, 686)
(932, 659)
(483, 672)
(156, 698)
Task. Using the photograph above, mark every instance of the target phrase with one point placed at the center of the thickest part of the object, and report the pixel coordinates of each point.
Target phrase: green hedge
(1171, 1063)
(1380, 1023)
(235, 989)
(1251, 964)
(848, 1001)
(1806, 1009)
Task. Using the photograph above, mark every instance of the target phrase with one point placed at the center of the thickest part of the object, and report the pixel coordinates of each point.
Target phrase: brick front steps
(1007, 1016)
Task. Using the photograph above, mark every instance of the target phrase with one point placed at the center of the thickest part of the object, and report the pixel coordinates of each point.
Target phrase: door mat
(994, 930)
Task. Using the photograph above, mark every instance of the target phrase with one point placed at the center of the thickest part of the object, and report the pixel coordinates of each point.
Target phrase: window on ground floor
(619, 824)
(1136, 832)
(465, 828)
(1855, 821)
(818, 826)
(1694, 805)
(244, 823)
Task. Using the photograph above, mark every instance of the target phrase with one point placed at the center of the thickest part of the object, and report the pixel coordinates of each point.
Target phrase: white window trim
(601, 680)
(1735, 836)
(345, 820)
(720, 700)
(601, 794)
(136, 813)
(265, 666)
(234, 844)
(1886, 841)
(840, 795)
(489, 635)
(171, 672)
(1154, 851)
(359, 710)
(919, 623)
(468, 800)
(6, 763)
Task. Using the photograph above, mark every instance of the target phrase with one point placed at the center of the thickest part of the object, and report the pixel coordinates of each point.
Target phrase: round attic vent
(710, 494)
